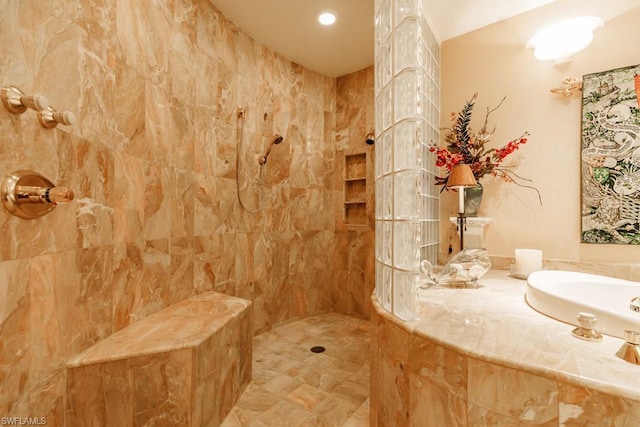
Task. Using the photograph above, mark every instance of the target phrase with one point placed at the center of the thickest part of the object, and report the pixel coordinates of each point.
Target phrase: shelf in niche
(355, 166)
(355, 189)
(355, 214)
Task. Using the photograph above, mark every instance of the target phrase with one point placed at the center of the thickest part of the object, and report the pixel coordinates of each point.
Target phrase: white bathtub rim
(541, 296)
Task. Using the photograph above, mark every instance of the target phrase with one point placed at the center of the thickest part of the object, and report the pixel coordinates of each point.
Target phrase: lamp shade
(461, 176)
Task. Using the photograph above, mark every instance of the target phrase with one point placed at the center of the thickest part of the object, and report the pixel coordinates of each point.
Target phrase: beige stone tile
(433, 406)
(15, 364)
(351, 391)
(581, 406)
(444, 368)
(363, 376)
(335, 410)
(307, 396)
(360, 418)
(282, 385)
(484, 417)
(513, 393)
(286, 414)
(240, 418)
(256, 400)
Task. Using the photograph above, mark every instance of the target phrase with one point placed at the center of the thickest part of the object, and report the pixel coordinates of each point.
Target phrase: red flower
(465, 146)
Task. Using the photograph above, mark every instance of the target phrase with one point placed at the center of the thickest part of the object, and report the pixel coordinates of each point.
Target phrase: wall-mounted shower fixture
(49, 118)
(277, 139)
(262, 160)
(15, 101)
(27, 194)
(370, 139)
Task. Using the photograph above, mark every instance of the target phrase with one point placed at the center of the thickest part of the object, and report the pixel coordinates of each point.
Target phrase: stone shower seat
(185, 365)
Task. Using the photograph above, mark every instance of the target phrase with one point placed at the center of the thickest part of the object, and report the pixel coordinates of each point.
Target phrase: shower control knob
(27, 194)
(17, 102)
(35, 102)
(50, 118)
(65, 117)
(57, 195)
(31, 194)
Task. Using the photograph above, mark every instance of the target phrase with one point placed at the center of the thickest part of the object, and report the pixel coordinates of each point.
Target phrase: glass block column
(407, 90)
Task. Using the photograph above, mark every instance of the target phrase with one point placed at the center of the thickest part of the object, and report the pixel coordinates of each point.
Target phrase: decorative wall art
(611, 156)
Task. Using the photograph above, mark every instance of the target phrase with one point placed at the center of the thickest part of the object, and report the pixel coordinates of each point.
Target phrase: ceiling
(290, 28)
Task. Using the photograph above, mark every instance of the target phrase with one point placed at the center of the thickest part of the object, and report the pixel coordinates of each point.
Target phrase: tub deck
(484, 357)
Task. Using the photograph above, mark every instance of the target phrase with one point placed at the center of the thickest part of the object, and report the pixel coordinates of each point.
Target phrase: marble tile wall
(153, 162)
(354, 260)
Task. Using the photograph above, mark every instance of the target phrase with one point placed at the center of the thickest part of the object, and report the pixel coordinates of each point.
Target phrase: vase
(472, 199)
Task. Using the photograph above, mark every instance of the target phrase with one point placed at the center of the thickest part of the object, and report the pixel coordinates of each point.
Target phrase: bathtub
(563, 294)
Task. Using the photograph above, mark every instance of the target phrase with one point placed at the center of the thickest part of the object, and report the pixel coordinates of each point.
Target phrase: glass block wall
(407, 90)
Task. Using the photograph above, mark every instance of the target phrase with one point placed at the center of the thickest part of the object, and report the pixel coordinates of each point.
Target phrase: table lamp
(461, 176)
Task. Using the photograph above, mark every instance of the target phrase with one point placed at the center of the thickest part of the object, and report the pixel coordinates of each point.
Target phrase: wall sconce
(558, 42)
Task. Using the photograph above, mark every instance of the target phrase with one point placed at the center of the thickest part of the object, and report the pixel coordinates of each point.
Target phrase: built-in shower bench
(185, 365)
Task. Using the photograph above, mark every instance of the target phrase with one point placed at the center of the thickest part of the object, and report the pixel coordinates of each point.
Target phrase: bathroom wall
(493, 62)
(354, 268)
(153, 164)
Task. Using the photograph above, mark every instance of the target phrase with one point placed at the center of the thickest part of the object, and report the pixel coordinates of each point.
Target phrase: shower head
(277, 139)
(370, 139)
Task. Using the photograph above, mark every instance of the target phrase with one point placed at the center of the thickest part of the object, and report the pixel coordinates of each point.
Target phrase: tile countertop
(495, 324)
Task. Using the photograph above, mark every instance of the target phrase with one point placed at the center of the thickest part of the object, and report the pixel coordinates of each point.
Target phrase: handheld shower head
(277, 139)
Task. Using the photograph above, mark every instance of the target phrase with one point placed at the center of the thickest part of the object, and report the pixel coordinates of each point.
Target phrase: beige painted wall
(493, 62)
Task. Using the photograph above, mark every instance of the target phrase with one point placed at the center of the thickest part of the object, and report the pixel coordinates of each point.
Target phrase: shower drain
(317, 349)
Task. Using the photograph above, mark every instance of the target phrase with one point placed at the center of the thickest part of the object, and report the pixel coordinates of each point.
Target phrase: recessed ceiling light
(326, 18)
(559, 41)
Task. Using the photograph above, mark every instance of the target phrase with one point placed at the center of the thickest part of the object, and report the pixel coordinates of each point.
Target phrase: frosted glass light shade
(326, 18)
(559, 41)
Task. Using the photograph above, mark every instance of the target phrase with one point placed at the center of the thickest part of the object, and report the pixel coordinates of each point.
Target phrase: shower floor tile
(293, 386)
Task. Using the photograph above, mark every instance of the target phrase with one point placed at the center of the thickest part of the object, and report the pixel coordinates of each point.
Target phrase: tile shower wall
(407, 90)
(152, 161)
(354, 264)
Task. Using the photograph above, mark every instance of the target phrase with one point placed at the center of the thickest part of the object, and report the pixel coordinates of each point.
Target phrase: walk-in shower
(262, 160)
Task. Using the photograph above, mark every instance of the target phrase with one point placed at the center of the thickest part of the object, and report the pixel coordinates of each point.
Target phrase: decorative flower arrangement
(466, 146)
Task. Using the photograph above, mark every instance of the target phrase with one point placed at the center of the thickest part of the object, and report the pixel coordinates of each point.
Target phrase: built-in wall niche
(355, 189)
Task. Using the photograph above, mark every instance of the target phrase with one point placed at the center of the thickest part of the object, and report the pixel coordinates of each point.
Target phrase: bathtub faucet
(630, 350)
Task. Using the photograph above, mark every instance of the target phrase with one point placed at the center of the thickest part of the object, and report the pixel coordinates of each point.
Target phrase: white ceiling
(290, 28)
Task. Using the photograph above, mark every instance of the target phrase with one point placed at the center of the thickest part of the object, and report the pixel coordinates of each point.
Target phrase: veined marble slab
(183, 325)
